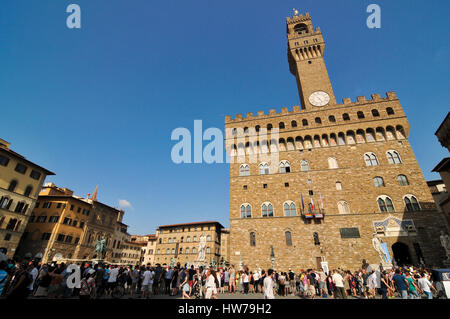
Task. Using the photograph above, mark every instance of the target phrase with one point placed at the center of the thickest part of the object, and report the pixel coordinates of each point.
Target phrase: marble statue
(376, 243)
(445, 242)
(202, 248)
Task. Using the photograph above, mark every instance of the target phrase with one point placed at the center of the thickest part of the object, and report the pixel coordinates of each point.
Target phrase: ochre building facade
(20, 183)
(316, 183)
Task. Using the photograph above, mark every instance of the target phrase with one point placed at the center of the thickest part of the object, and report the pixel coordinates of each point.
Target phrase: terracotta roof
(188, 224)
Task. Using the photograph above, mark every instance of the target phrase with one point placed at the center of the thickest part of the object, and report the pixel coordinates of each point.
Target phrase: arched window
(288, 238)
(28, 191)
(338, 186)
(343, 207)
(341, 138)
(360, 115)
(281, 125)
(301, 28)
(244, 170)
(168, 251)
(252, 239)
(208, 250)
(305, 122)
(370, 159)
(411, 203)
(12, 185)
(346, 117)
(375, 113)
(304, 166)
(318, 120)
(234, 131)
(269, 127)
(187, 250)
(294, 123)
(332, 163)
(257, 128)
(208, 238)
(263, 169)
(402, 180)
(194, 251)
(4, 202)
(289, 209)
(285, 167)
(245, 130)
(385, 204)
(246, 211)
(188, 239)
(393, 157)
(378, 181)
(267, 210)
(331, 118)
(390, 111)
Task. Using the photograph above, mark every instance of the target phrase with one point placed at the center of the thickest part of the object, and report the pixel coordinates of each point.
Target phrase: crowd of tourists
(31, 279)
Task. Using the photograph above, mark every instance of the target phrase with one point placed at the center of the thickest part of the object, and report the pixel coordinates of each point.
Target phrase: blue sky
(97, 105)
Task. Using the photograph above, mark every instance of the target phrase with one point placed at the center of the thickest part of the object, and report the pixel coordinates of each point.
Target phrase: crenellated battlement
(360, 100)
(298, 18)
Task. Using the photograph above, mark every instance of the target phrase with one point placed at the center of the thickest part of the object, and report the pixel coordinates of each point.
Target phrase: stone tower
(343, 177)
(306, 49)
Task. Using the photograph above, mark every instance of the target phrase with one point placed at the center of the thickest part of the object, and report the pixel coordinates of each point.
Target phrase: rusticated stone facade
(351, 163)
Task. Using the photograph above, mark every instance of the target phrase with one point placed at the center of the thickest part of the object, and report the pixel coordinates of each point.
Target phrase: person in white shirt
(425, 285)
(34, 273)
(339, 284)
(256, 277)
(268, 285)
(372, 283)
(112, 280)
(147, 283)
(211, 284)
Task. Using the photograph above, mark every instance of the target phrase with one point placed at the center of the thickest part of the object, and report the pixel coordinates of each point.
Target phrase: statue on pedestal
(172, 262)
(100, 247)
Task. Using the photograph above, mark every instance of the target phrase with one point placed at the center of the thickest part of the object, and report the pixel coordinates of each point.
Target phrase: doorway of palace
(402, 255)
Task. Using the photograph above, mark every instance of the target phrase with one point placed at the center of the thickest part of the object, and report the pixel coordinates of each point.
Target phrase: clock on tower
(305, 54)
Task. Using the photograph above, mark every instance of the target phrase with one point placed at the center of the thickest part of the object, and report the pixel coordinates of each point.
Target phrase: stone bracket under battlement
(360, 100)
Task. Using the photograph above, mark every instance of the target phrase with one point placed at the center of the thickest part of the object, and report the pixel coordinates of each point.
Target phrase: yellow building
(132, 252)
(179, 242)
(57, 226)
(65, 227)
(148, 248)
(20, 182)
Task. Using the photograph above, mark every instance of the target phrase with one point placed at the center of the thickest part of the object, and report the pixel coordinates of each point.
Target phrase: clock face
(319, 98)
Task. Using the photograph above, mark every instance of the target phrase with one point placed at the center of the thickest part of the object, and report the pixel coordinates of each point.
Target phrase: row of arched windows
(6, 203)
(370, 159)
(317, 141)
(188, 239)
(384, 202)
(379, 181)
(331, 119)
(13, 186)
(186, 251)
(13, 223)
